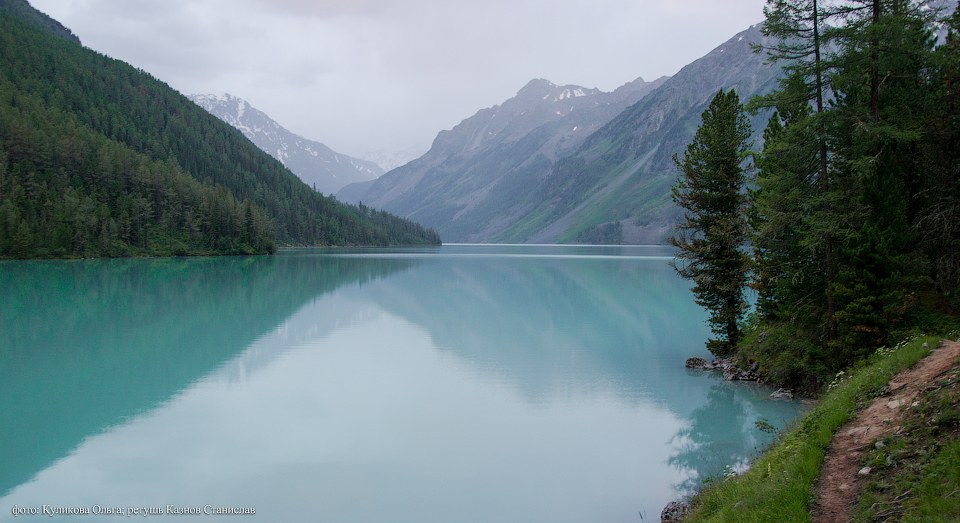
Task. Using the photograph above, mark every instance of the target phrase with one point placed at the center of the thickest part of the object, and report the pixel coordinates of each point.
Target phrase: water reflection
(721, 435)
(462, 383)
(556, 324)
(88, 344)
(574, 326)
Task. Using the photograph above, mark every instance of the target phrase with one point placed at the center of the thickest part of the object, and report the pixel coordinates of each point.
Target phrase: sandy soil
(840, 481)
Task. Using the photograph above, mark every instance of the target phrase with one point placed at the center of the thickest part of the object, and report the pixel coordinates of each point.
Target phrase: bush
(785, 355)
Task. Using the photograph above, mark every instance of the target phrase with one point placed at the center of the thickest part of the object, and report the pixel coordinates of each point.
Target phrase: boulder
(730, 371)
(674, 512)
(782, 394)
(733, 373)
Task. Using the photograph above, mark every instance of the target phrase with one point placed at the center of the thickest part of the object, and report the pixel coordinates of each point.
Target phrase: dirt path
(840, 481)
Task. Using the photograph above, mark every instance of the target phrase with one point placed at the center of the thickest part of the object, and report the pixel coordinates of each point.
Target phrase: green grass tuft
(780, 484)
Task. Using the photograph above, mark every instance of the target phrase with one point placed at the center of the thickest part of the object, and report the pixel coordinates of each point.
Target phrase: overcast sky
(366, 75)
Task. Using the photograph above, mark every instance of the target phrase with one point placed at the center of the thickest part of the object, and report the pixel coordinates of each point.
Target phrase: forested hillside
(98, 158)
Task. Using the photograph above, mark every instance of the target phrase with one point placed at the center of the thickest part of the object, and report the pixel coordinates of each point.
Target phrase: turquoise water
(450, 384)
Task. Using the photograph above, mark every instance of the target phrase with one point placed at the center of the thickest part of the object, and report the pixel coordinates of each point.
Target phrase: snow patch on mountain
(315, 163)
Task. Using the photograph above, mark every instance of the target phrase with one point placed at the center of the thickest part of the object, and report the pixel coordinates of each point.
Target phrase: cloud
(362, 75)
(327, 8)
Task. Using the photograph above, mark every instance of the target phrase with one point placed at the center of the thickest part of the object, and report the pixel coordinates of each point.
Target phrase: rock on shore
(731, 372)
(674, 512)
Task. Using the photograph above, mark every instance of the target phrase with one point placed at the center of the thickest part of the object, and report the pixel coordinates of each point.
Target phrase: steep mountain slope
(23, 10)
(585, 175)
(616, 187)
(468, 183)
(98, 158)
(315, 163)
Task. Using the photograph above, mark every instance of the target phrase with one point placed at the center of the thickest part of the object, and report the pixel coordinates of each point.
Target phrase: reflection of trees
(714, 439)
(722, 434)
(86, 344)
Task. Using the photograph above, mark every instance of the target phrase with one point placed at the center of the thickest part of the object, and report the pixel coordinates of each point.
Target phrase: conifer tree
(840, 248)
(938, 221)
(878, 145)
(787, 258)
(711, 192)
(801, 41)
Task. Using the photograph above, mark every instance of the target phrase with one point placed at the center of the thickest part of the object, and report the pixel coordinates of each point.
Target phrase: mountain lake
(462, 383)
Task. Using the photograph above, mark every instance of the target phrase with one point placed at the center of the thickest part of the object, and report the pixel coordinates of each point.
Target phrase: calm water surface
(450, 384)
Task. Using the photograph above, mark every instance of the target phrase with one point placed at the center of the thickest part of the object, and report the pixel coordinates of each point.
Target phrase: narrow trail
(839, 483)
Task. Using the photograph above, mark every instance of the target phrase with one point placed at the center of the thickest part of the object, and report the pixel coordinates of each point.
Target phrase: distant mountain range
(315, 163)
(473, 173)
(616, 187)
(567, 163)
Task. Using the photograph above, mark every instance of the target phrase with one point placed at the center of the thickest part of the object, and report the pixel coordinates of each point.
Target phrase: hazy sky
(363, 75)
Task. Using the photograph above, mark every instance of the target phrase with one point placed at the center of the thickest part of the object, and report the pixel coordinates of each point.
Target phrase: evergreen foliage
(883, 75)
(786, 215)
(855, 205)
(802, 42)
(711, 193)
(98, 158)
(938, 213)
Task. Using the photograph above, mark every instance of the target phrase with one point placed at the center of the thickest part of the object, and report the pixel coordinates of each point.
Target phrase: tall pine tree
(711, 191)
(788, 270)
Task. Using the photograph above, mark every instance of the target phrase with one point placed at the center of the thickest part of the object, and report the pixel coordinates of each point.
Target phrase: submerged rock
(674, 512)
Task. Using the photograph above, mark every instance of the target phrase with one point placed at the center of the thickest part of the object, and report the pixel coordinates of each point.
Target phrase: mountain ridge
(616, 187)
(315, 163)
(554, 164)
(502, 145)
(40, 20)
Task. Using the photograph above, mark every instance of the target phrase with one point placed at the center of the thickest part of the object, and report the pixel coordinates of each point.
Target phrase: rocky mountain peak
(540, 90)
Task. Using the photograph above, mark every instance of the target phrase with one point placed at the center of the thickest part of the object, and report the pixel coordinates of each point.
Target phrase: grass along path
(842, 475)
(780, 486)
(915, 472)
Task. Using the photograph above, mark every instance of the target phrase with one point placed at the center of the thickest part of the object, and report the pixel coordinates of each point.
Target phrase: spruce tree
(787, 260)
(713, 228)
(938, 220)
(801, 40)
(879, 145)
